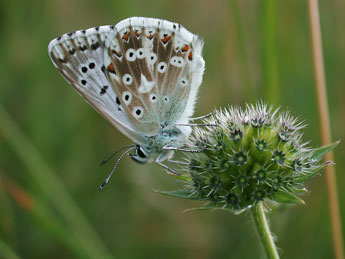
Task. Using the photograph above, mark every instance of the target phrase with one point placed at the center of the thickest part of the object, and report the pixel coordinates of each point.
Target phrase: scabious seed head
(250, 155)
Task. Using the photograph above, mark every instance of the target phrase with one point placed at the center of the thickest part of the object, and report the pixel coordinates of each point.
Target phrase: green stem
(264, 231)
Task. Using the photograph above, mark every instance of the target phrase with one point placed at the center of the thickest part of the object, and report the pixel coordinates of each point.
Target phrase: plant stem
(325, 126)
(264, 231)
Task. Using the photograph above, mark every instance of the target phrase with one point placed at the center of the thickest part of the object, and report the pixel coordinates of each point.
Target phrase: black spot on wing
(63, 60)
(95, 45)
(118, 100)
(103, 69)
(82, 47)
(103, 90)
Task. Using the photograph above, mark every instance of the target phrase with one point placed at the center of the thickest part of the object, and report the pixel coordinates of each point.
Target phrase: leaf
(307, 176)
(318, 153)
(184, 194)
(211, 206)
(183, 178)
(298, 190)
(286, 197)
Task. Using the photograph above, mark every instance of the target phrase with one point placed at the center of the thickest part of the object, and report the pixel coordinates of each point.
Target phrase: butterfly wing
(79, 56)
(156, 68)
(142, 74)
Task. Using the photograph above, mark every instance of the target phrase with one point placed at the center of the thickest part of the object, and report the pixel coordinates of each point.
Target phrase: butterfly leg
(177, 162)
(199, 124)
(182, 149)
(203, 117)
(196, 124)
(169, 170)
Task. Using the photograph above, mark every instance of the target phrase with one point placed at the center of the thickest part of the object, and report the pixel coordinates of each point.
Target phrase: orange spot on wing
(137, 33)
(185, 48)
(190, 56)
(166, 39)
(150, 36)
(126, 36)
(111, 68)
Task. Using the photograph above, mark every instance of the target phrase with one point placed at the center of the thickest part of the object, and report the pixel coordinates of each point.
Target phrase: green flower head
(248, 155)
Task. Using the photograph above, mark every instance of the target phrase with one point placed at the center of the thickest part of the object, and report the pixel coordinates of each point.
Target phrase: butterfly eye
(140, 53)
(131, 55)
(138, 112)
(162, 67)
(140, 153)
(153, 98)
(127, 79)
(152, 58)
(127, 97)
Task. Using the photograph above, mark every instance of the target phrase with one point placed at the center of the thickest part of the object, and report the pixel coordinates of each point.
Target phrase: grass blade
(325, 125)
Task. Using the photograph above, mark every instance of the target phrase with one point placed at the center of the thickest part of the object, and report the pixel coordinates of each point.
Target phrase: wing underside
(141, 74)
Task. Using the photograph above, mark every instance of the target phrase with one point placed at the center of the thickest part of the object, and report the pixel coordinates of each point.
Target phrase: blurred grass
(253, 50)
(269, 32)
(41, 212)
(56, 193)
(7, 252)
(247, 85)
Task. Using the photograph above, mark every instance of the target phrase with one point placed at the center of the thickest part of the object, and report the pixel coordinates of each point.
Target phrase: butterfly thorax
(155, 147)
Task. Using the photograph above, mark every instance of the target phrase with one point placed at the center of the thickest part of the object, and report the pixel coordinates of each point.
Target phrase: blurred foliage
(51, 140)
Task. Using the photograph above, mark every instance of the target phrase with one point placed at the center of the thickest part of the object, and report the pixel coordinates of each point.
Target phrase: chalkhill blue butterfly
(142, 75)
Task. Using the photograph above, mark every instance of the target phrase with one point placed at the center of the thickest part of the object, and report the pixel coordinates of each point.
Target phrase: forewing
(79, 56)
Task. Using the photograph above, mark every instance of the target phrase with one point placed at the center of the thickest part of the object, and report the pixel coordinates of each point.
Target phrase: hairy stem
(264, 231)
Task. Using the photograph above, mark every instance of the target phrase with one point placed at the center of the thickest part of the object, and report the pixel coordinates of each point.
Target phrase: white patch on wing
(145, 85)
(177, 61)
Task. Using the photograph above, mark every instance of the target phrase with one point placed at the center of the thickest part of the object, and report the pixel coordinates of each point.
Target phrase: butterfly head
(141, 156)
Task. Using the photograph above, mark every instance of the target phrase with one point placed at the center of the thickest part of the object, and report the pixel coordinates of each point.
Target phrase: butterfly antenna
(112, 171)
(112, 155)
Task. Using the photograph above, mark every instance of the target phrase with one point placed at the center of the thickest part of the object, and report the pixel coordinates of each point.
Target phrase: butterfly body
(154, 147)
(142, 75)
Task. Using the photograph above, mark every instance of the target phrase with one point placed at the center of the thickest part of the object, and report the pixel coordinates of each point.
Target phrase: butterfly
(142, 75)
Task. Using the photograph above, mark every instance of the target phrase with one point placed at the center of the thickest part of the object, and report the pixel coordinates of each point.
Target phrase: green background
(51, 140)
